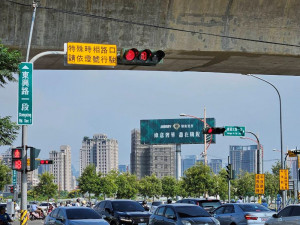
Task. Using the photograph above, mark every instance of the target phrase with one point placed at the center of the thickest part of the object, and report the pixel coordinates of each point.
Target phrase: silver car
(242, 214)
(74, 216)
(290, 215)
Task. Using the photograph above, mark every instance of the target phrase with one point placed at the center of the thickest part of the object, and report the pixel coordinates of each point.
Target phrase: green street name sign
(174, 131)
(25, 94)
(234, 131)
(14, 177)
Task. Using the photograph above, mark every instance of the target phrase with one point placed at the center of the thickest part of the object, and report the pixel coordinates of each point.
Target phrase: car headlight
(125, 219)
(185, 222)
(217, 222)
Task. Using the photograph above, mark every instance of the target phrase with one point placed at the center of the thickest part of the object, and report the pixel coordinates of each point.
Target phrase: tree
(107, 184)
(246, 184)
(221, 185)
(127, 186)
(271, 185)
(169, 186)
(5, 175)
(74, 194)
(88, 180)
(9, 64)
(198, 180)
(46, 187)
(150, 186)
(8, 131)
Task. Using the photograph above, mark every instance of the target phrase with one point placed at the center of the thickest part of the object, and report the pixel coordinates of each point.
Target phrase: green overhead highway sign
(234, 131)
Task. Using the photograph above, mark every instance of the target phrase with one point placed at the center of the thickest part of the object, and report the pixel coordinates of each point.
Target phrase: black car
(117, 212)
(181, 214)
(208, 204)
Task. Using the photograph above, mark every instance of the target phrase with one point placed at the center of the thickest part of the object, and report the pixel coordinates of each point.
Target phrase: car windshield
(214, 204)
(127, 206)
(156, 203)
(44, 204)
(188, 211)
(253, 208)
(82, 213)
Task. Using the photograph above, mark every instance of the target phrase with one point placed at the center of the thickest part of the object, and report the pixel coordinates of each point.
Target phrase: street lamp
(261, 151)
(205, 125)
(259, 161)
(280, 121)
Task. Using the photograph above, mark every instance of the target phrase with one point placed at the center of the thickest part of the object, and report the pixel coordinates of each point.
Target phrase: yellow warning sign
(284, 179)
(259, 183)
(91, 54)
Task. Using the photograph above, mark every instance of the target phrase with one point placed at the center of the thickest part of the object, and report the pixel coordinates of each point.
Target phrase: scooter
(37, 216)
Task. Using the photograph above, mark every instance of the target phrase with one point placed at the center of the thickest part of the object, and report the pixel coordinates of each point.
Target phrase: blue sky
(68, 105)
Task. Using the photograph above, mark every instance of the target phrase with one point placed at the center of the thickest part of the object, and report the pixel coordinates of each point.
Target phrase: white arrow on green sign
(234, 131)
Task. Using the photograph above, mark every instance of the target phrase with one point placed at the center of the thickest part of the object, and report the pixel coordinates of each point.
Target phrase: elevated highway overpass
(228, 36)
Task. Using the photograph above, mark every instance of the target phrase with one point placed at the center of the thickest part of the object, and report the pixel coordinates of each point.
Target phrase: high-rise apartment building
(243, 158)
(61, 167)
(146, 160)
(215, 165)
(100, 151)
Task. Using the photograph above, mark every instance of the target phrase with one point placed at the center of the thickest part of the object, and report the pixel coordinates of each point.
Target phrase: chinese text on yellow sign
(259, 183)
(283, 179)
(91, 54)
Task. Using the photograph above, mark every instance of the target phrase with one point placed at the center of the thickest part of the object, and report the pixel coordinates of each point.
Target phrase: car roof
(179, 205)
(120, 200)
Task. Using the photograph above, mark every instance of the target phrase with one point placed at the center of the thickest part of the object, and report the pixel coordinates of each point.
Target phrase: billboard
(174, 131)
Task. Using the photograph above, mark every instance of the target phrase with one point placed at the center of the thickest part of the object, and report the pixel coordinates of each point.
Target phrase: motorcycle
(37, 216)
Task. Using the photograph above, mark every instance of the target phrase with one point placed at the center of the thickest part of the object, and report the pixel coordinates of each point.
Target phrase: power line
(154, 26)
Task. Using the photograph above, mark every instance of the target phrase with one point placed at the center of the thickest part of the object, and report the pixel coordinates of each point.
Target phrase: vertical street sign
(284, 179)
(25, 94)
(14, 177)
(259, 184)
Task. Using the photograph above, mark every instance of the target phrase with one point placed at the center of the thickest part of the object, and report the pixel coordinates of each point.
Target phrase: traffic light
(144, 57)
(213, 130)
(16, 156)
(46, 162)
(229, 172)
(34, 153)
(11, 188)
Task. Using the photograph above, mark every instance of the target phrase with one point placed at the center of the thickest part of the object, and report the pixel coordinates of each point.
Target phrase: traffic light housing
(34, 153)
(144, 57)
(11, 189)
(16, 156)
(229, 172)
(213, 130)
(46, 161)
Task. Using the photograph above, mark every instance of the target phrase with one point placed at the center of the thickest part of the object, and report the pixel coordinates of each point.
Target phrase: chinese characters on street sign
(234, 131)
(25, 94)
(259, 184)
(284, 179)
(174, 131)
(91, 54)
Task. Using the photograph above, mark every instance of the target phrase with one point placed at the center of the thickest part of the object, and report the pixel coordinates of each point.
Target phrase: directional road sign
(91, 54)
(234, 131)
(25, 94)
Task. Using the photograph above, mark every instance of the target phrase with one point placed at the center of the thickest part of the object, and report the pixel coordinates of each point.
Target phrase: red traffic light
(46, 162)
(144, 57)
(16, 153)
(11, 188)
(131, 54)
(214, 130)
(17, 164)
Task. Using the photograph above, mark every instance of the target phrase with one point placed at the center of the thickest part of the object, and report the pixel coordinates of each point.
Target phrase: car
(181, 214)
(74, 216)
(154, 205)
(208, 204)
(290, 215)
(122, 211)
(242, 213)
